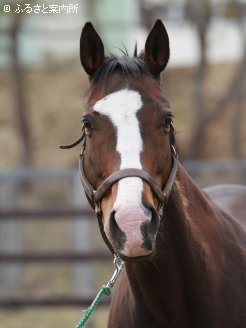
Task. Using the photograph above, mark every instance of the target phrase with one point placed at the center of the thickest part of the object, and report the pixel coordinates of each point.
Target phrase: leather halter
(95, 196)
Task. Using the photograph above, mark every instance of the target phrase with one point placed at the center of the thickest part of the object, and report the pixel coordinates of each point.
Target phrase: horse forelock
(126, 65)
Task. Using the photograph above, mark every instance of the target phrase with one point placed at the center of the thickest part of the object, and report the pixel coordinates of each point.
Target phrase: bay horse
(185, 255)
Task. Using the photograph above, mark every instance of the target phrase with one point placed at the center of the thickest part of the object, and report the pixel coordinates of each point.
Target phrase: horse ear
(157, 48)
(91, 49)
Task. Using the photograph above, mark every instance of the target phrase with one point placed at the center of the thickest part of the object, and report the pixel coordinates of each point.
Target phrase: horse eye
(87, 121)
(166, 122)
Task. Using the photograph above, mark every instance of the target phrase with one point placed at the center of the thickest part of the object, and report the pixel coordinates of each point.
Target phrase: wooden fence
(14, 212)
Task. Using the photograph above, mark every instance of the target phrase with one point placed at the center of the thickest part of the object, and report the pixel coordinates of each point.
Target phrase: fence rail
(54, 257)
(46, 213)
(82, 302)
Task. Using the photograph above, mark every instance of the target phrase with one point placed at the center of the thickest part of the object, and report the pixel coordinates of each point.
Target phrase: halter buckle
(97, 204)
(174, 152)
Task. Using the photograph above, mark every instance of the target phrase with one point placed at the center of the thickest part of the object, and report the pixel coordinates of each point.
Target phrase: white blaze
(121, 107)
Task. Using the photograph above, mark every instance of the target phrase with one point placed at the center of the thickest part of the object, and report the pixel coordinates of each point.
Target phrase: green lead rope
(105, 290)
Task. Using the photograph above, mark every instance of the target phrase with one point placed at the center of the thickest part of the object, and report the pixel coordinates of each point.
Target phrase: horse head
(129, 150)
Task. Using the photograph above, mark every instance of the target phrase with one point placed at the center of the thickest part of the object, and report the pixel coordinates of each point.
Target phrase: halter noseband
(95, 196)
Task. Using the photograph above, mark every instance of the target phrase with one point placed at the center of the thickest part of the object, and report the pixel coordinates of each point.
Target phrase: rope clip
(119, 264)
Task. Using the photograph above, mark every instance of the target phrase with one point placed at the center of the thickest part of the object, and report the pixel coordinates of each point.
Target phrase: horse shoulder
(231, 199)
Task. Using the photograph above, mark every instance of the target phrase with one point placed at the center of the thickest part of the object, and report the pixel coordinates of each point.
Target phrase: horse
(184, 248)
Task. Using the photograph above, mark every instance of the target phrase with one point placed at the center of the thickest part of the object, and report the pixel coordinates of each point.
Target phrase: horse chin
(141, 258)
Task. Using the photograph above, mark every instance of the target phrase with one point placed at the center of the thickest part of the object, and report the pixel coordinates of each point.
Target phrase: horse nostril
(155, 221)
(146, 207)
(150, 228)
(118, 236)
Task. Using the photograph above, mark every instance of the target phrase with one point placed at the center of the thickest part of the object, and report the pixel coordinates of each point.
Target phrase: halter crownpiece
(81, 139)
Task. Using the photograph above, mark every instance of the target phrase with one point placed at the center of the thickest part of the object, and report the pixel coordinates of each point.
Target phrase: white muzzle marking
(121, 107)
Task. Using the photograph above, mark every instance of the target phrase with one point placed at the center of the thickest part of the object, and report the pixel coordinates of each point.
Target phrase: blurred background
(52, 259)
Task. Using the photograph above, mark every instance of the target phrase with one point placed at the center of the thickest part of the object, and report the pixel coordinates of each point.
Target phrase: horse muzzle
(132, 231)
(126, 223)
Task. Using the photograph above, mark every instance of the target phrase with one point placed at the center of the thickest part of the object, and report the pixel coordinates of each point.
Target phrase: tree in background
(200, 15)
(20, 95)
(13, 30)
(238, 11)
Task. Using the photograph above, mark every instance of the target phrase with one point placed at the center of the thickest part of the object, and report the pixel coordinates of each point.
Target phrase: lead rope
(105, 290)
(119, 264)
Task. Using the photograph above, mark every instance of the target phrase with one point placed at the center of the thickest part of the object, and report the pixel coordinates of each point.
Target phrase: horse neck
(179, 270)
